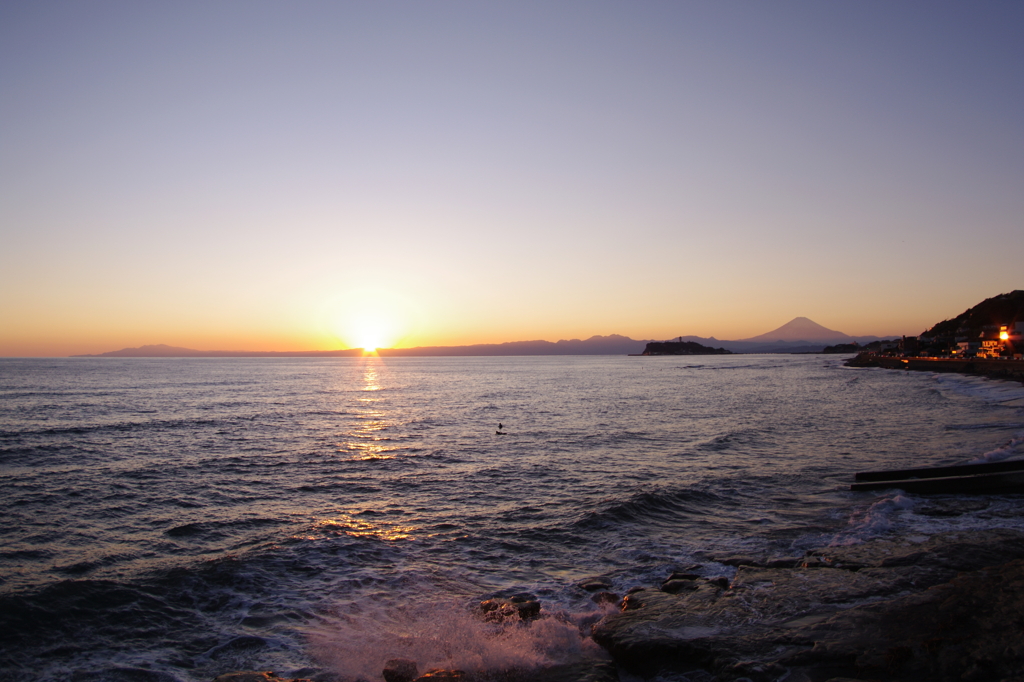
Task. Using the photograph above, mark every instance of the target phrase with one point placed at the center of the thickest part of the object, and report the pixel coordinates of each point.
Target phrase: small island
(681, 347)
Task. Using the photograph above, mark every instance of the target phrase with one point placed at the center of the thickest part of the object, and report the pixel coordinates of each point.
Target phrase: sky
(317, 175)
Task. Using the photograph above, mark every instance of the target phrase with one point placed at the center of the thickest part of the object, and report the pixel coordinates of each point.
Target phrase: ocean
(169, 520)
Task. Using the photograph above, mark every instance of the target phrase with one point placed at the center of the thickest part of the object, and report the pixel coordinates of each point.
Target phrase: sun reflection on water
(361, 528)
(367, 442)
(370, 379)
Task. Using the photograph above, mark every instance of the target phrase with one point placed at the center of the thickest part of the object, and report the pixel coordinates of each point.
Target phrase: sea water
(173, 519)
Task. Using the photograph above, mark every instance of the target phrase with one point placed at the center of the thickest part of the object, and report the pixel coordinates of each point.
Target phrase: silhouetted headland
(682, 348)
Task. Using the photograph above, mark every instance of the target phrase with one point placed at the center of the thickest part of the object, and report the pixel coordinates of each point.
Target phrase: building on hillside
(908, 345)
(967, 348)
(991, 343)
(1012, 337)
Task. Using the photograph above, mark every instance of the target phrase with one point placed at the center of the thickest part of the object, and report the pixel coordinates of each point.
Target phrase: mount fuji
(799, 335)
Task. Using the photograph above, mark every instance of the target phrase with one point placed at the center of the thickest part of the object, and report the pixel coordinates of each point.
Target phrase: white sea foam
(877, 519)
(989, 390)
(444, 635)
(1005, 451)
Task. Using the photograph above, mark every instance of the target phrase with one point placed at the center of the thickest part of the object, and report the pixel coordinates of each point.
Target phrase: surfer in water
(499, 432)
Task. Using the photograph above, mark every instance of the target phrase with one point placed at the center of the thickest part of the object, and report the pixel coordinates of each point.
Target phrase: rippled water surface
(172, 519)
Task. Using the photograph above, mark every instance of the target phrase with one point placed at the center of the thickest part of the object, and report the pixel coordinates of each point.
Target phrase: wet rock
(780, 594)
(783, 562)
(518, 607)
(584, 671)
(118, 674)
(827, 559)
(633, 600)
(255, 676)
(905, 616)
(965, 629)
(968, 551)
(754, 671)
(815, 562)
(720, 581)
(635, 588)
(400, 670)
(657, 629)
(442, 675)
(683, 575)
(738, 561)
(595, 583)
(674, 586)
(605, 598)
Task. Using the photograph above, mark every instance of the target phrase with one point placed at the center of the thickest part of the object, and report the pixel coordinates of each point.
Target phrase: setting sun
(370, 330)
(370, 319)
(371, 335)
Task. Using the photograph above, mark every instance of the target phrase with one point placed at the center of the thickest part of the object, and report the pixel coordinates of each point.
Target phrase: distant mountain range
(595, 345)
(164, 351)
(799, 335)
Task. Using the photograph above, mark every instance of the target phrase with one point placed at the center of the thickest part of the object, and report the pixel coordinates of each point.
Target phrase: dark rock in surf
(256, 676)
(594, 583)
(400, 670)
(738, 561)
(634, 600)
(605, 598)
(679, 581)
(442, 675)
(581, 671)
(759, 672)
(519, 607)
(678, 585)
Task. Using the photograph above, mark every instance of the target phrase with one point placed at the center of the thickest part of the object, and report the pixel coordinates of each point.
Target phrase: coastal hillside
(1001, 309)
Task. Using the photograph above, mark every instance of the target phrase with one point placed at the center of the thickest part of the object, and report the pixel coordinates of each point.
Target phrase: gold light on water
(367, 442)
(359, 528)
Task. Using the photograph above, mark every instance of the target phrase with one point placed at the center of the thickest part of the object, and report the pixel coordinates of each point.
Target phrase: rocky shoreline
(945, 608)
(949, 607)
(1011, 370)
